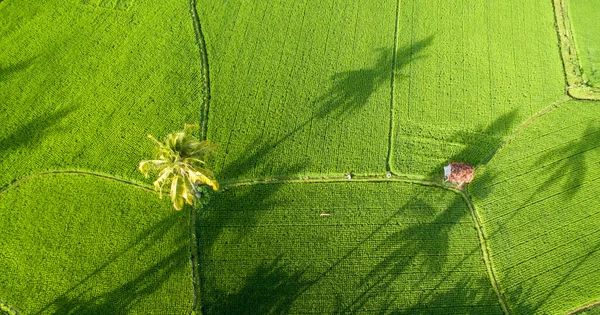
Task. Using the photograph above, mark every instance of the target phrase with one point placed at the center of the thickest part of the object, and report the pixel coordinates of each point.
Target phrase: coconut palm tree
(179, 162)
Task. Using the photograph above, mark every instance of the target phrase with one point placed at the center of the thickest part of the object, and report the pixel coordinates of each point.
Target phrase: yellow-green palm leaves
(179, 162)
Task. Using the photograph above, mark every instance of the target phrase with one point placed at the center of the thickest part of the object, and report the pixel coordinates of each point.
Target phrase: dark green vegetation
(300, 92)
(584, 16)
(341, 248)
(539, 202)
(74, 244)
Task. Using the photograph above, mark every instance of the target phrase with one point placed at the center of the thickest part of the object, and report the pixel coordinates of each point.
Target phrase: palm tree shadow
(122, 299)
(269, 289)
(480, 145)
(571, 168)
(77, 299)
(462, 298)
(33, 132)
(351, 90)
(418, 244)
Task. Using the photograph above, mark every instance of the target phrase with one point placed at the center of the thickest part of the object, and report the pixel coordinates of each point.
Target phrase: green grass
(383, 248)
(584, 16)
(74, 244)
(83, 82)
(539, 207)
(483, 68)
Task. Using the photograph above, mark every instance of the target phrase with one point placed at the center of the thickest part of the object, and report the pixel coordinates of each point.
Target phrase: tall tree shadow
(481, 144)
(33, 132)
(269, 289)
(425, 243)
(463, 298)
(571, 167)
(124, 298)
(351, 90)
(76, 299)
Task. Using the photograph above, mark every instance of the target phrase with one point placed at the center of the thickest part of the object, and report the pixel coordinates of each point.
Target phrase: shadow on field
(258, 152)
(350, 90)
(270, 289)
(33, 132)
(571, 167)
(424, 244)
(80, 298)
(480, 145)
(525, 304)
(7, 72)
(467, 296)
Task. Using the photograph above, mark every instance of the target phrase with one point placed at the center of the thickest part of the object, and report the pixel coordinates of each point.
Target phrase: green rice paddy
(74, 244)
(538, 200)
(340, 248)
(299, 95)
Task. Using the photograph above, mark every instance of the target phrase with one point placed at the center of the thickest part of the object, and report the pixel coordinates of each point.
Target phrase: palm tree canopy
(179, 162)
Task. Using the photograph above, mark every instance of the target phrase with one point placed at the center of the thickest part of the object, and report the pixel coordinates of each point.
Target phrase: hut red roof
(461, 172)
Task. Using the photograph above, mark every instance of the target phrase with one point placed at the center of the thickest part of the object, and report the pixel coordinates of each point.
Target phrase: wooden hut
(457, 172)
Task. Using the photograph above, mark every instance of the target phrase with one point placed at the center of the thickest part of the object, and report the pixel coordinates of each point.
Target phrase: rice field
(334, 120)
(74, 244)
(341, 248)
(84, 90)
(538, 200)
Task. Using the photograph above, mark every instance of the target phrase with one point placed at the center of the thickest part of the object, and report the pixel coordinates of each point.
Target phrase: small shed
(458, 172)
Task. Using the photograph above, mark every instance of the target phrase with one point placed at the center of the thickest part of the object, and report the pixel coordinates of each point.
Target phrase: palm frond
(178, 161)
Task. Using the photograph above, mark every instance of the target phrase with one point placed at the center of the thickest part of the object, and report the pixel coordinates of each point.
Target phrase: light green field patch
(538, 199)
(83, 82)
(482, 68)
(299, 87)
(584, 16)
(341, 248)
(75, 244)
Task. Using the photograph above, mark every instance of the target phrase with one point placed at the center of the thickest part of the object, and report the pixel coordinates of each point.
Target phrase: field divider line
(521, 127)
(76, 172)
(5, 307)
(204, 65)
(576, 86)
(200, 41)
(485, 253)
(584, 308)
(404, 178)
(392, 91)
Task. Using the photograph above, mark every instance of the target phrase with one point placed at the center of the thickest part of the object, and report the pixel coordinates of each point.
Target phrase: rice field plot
(584, 16)
(483, 67)
(74, 244)
(538, 200)
(299, 87)
(341, 248)
(82, 82)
